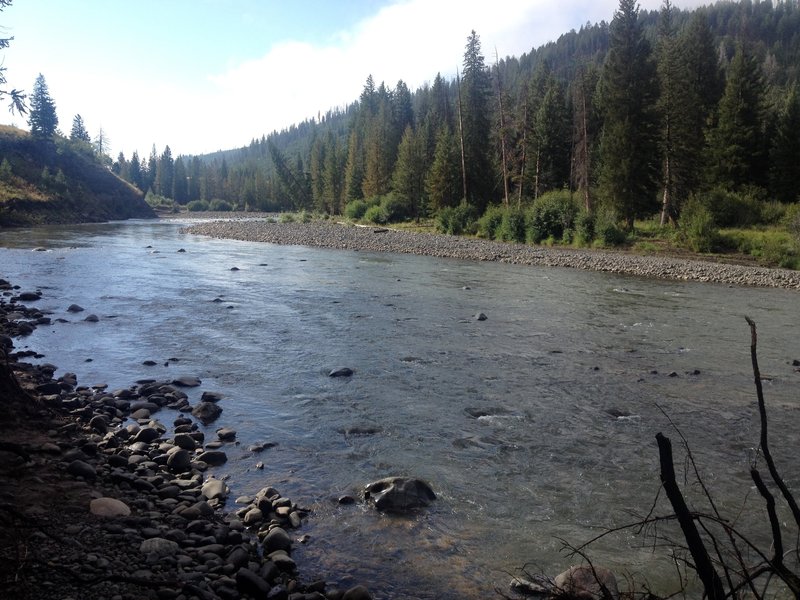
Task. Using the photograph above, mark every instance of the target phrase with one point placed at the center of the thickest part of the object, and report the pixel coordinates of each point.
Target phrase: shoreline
(341, 236)
(111, 494)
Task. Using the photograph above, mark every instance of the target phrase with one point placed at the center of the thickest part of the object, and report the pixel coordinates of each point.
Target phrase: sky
(207, 75)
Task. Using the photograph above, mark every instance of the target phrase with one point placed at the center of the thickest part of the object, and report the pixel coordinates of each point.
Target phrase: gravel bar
(328, 234)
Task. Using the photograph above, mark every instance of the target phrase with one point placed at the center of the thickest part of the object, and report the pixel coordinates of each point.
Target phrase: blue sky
(204, 75)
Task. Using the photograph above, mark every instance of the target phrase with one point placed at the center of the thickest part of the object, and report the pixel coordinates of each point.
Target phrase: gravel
(328, 234)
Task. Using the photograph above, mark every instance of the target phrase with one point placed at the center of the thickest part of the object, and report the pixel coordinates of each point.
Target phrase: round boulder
(399, 494)
(109, 507)
(586, 582)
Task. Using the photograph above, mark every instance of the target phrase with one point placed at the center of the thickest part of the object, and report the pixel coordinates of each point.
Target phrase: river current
(535, 427)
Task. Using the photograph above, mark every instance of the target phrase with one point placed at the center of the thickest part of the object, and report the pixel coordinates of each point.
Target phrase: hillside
(60, 182)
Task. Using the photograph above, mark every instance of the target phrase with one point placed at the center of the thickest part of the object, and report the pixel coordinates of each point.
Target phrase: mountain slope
(60, 182)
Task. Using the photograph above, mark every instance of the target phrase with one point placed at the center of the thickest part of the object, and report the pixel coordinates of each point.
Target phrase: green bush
(219, 206)
(551, 215)
(772, 212)
(395, 207)
(512, 227)
(377, 215)
(287, 217)
(490, 222)
(456, 220)
(355, 209)
(197, 206)
(607, 228)
(732, 209)
(584, 227)
(304, 216)
(699, 231)
(791, 220)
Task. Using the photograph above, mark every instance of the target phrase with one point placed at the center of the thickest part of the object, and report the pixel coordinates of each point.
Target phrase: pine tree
(135, 170)
(737, 140)
(476, 126)
(332, 175)
(79, 132)
(443, 182)
(785, 154)
(584, 128)
(165, 171)
(408, 180)
(180, 192)
(550, 145)
(42, 119)
(629, 146)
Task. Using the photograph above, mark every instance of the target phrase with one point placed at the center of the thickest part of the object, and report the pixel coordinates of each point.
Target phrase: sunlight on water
(534, 426)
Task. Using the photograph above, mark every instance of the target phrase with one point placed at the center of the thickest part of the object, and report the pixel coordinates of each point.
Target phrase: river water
(534, 427)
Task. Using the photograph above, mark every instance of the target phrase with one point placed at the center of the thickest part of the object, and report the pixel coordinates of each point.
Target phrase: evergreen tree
(550, 143)
(675, 104)
(629, 146)
(584, 128)
(332, 175)
(42, 118)
(476, 126)
(380, 148)
(408, 180)
(354, 168)
(165, 171)
(736, 141)
(785, 155)
(135, 170)
(180, 191)
(79, 132)
(102, 145)
(443, 182)
(316, 167)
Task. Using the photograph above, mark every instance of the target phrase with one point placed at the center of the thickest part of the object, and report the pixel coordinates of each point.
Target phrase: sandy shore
(329, 234)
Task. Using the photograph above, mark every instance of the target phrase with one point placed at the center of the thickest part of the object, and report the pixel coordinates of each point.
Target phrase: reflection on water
(534, 426)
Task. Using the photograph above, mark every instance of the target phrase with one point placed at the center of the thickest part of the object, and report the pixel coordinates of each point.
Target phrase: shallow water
(508, 418)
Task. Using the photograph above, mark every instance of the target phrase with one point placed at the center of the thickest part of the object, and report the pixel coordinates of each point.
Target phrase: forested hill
(711, 95)
(60, 181)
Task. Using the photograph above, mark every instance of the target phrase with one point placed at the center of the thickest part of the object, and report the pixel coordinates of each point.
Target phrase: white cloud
(410, 40)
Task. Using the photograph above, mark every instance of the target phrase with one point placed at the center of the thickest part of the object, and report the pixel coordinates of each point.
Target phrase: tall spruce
(78, 133)
(584, 132)
(443, 181)
(475, 96)
(42, 118)
(785, 155)
(737, 140)
(628, 92)
(676, 104)
(332, 175)
(408, 180)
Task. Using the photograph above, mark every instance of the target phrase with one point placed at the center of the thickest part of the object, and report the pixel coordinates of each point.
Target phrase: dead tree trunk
(702, 561)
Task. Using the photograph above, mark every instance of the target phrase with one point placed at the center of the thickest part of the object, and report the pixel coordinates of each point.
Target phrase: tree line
(637, 116)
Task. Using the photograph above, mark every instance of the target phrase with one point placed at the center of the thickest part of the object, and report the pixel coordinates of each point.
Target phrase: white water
(506, 418)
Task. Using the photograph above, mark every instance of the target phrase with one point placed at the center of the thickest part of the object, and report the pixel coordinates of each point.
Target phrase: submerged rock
(399, 494)
(207, 412)
(341, 372)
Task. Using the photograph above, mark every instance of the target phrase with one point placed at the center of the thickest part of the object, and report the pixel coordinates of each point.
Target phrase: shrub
(219, 206)
(732, 209)
(699, 230)
(550, 215)
(197, 206)
(287, 217)
(584, 227)
(512, 227)
(304, 216)
(456, 220)
(607, 228)
(791, 220)
(772, 213)
(395, 207)
(376, 214)
(355, 209)
(490, 222)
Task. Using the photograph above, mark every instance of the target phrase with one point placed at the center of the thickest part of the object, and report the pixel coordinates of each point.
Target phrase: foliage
(287, 217)
(16, 97)
(42, 118)
(355, 209)
(550, 216)
(607, 228)
(197, 206)
(628, 92)
(377, 214)
(218, 205)
(585, 224)
(699, 231)
(489, 223)
(456, 220)
(513, 227)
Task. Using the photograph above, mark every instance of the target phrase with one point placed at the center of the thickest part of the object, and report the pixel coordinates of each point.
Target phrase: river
(535, 426)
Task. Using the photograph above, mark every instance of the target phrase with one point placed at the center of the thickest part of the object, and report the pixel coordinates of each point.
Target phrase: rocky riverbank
(328, 234)
(111, 494)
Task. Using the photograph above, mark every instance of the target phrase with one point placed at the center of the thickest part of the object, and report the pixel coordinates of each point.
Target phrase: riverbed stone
(215, 488)
(341, 372)
(185, 441)
(75, 308)
(226, 434)
(277, 539)
(213, 457)
(358, 592)
(79, 468)
(399, 494)
(586, 582)
(207, 412)
(187, 381)
(179, 461)
(159, 546)
(109, 507)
